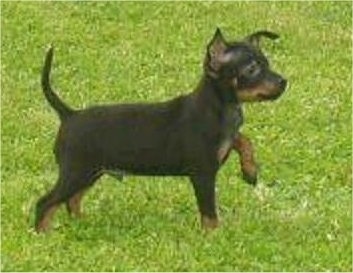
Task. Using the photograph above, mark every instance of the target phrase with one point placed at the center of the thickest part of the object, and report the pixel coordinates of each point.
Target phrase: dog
(191, 135)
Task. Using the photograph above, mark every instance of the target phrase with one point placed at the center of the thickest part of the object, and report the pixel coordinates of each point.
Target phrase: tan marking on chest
(223, 150)
(232, 120)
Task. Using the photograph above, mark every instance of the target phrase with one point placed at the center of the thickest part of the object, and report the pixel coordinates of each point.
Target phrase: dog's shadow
(130, 210)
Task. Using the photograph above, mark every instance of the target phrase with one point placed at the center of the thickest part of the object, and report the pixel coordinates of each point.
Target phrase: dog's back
(138, 138)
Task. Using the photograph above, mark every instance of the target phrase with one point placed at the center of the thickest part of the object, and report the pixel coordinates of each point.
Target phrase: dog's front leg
(204, 187)
(247, 161)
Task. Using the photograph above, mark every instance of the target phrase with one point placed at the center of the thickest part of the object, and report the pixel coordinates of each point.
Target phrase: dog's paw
(250, 178)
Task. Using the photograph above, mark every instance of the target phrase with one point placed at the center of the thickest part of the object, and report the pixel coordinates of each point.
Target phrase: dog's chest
(231, 122)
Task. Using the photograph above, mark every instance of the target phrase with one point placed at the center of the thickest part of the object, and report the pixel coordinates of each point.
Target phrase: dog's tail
(60, 107)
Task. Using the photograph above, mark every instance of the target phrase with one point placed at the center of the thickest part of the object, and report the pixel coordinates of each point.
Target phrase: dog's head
(242, 69)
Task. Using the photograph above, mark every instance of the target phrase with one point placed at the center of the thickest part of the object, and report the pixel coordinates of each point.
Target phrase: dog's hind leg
(46, 207)
(73, 204)
(69, 184)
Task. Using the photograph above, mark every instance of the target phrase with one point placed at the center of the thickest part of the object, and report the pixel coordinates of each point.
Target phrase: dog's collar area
(225, 96)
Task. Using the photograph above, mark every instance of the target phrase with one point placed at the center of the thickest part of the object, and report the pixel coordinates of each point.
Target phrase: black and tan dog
(191, 135)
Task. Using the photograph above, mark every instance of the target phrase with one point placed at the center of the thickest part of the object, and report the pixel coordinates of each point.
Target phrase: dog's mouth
(280, 88)
(271, 96)
(262, 93)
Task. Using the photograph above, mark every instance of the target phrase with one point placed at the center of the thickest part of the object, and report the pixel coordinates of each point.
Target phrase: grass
(111, 51)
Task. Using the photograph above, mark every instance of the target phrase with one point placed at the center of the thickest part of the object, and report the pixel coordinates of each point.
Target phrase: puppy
(191, 135)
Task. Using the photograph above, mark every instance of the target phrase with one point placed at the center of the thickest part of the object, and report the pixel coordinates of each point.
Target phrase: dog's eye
(252, 70)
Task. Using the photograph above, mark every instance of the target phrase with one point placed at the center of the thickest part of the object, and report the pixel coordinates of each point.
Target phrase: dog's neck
(211, 101)
(210, 92)
(210, 97)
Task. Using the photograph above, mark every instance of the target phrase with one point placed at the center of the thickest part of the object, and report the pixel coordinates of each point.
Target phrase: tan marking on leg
(209, 223)
(246, 154)
(43, 225)
(74, 204)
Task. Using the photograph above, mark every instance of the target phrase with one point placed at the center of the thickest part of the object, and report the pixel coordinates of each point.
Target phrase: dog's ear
(254, 38)
(215, 51)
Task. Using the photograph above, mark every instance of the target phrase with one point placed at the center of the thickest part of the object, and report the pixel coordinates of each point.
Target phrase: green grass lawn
(118, 52)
